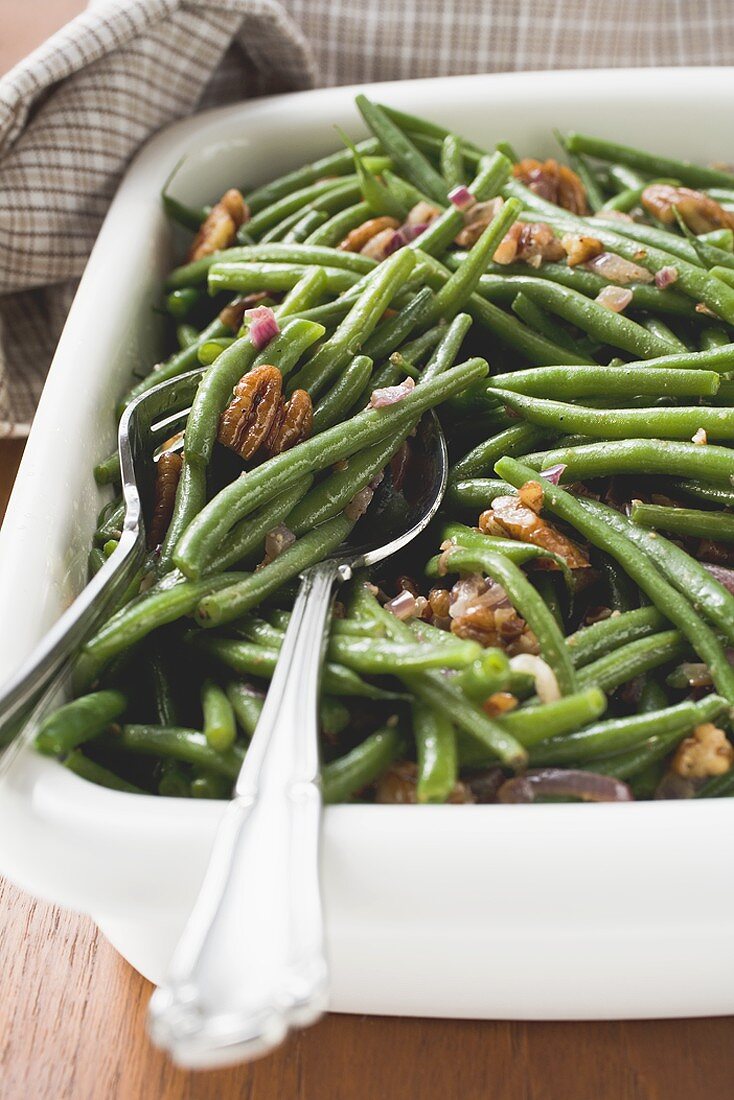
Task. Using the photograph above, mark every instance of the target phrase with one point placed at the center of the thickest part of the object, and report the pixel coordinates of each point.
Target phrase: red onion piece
(553, 473)
(410, 232)
(398, 240)
(278, 540)
(461, 197)
(564, 783)
(403, 606)
(546, 683)
(722, 574)
(390, 395)
(673, 786)
(359, 503)
(666, 276)
(263, 326)
(618, 270)
(614, 298)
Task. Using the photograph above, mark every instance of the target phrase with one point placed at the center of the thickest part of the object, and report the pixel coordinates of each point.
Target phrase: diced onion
(390, 395)
(461, 197)
(615, 298)
(553, 473)
(546, 683)
(263, 326)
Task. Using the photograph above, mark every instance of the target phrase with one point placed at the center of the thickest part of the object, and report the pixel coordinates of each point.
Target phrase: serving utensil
(251, 962)
(145, 424)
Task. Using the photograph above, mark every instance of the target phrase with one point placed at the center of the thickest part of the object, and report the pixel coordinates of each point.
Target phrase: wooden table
(72, 1012)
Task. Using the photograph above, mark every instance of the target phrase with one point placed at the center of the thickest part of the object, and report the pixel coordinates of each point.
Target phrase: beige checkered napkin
(73, 114)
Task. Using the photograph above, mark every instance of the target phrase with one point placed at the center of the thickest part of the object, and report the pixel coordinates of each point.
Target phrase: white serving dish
(546, 912)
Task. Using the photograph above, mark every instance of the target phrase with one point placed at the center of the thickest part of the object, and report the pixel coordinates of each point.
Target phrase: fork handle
(251, 961)
(25, 697)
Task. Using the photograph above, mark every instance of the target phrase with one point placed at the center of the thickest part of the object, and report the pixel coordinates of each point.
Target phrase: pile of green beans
(571, 607)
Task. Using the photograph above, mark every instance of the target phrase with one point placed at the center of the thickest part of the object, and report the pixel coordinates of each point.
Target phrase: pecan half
(358, 238)
(508, 516)
(579, 248)
(167, 474)
(381, 245)
(532, 243)
(292, 423)
(248, 419)
(219, 228)
(553, 181)
(700, 213)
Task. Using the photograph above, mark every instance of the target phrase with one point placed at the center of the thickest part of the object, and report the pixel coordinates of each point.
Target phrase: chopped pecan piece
(508, 516)
(381, 245)
(219, 228)
(167, 474)
(700, 213)
(398, 786)
(533, 243)
(579, 248)
(234, 314)
(423, 213)
(553, 181)
(476, 220)
(706, 753)
(499, 703)
(359, 237)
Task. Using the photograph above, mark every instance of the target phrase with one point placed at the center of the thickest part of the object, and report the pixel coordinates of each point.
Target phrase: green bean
(439, 693)
(378, 197)
(532, 723)
(670, 602)
(72, 724)
(305, 226)
(339, 225)
(401, 149)
(468, 538)
(715, 336)
(332, 494)
(88, 769)
(658, 328)
(639, 456)
(379, 657)
(420, 126)
(622, 178)
(342, 396)
(597, 640)
(485, 676)
(250, 659)
(179, 303)
(252, 277)
(509, 330)
(110, 521)
(693, 175)
(178, 364)
(189, 217)
(344, 778)
(512, 441)
(300, 255)
(325, 194)
(594, 196)
(684, 521)
(209, 352)
(333, 715)
(206, 532)
(107, 472)
(709, 493)
(621, 734)
(538, 319)
(691, 578)
(163, 695)
(477, 493)
(416, 350)
(575, 382)
(247, 536)
(435, 740)
(455, 292)
(655, 423)
(637, 761)
(634, 659)
(336, 164)
(175, 779)
(310, 288)
(209, 785)
(358, 324)
(219, 717)
(187, 745)
(95, 561)
(654, 236)
(169, 600)
(229, 602)
(720, 786)
(452, 161)
(448, 347)
(527, 602)
(247, 704)
(394, 331)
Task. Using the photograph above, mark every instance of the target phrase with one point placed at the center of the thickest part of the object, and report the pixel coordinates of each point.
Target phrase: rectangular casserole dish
(545, 912)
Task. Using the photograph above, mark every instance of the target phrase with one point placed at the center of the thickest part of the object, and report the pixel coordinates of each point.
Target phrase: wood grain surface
(72, 1012)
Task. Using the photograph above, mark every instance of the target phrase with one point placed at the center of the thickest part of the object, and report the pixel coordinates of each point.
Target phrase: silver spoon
(251, 962)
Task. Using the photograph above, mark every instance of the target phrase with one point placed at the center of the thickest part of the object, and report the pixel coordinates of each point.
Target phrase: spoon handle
(250, 963)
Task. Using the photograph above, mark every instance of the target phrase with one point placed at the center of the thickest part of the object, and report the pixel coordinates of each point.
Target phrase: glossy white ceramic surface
(551, 912)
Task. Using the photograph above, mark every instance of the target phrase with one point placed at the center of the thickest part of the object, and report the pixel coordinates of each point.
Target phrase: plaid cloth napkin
(74, 113)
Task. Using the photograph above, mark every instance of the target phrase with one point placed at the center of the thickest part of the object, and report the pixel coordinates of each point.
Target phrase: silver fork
(146, 422)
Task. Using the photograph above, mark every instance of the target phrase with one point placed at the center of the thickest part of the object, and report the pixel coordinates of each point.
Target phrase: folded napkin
(74, 113)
